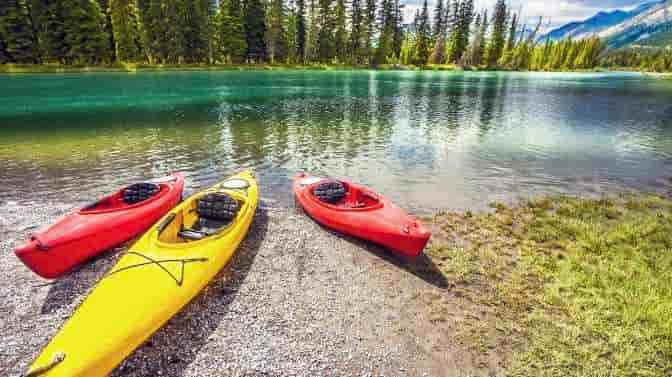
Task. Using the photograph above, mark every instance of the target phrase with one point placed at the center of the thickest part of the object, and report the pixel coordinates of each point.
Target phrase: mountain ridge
(606, 24)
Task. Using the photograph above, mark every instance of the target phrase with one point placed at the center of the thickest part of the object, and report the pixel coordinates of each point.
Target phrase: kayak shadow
(65, 290)
(176, 345)
(422, 267)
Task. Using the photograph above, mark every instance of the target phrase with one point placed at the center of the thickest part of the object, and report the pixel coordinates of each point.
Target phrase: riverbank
(662, 75)
(142, 67)
(122, 67)
(553, 286)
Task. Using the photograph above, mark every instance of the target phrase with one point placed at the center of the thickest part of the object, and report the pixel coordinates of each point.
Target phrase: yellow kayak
(161, 272)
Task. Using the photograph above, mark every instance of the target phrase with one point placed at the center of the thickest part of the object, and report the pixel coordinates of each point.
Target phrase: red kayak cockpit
(343, 196)
(129, 197)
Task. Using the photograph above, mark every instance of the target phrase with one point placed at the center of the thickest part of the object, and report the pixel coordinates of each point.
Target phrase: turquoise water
(428, 140)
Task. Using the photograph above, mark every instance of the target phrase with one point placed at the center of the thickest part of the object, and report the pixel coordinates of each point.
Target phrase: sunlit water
(428, 140)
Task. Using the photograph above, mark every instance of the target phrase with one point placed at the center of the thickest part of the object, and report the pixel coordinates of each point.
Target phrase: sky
(555, 12)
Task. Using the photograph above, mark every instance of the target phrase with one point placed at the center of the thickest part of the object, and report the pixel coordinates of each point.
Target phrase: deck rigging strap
(159, 262)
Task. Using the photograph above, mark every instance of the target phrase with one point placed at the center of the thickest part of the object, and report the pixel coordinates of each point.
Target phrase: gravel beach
(297, 300)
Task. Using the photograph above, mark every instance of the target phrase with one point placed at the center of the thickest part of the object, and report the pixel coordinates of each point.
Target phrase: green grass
(575, 287)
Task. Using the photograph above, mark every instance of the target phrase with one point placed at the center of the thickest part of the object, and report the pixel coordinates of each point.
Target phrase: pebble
(293, 302)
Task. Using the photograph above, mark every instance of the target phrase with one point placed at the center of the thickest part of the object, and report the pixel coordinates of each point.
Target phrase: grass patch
(566, 286)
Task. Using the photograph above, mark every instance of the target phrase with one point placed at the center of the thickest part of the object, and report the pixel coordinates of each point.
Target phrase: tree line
(645, 59)
(356, 32)
(460, 36)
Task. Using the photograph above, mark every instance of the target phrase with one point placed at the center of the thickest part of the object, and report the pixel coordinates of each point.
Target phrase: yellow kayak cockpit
(205, 215)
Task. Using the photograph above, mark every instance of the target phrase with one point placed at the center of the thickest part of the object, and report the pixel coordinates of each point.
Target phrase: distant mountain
(599, 23)
(652, 27)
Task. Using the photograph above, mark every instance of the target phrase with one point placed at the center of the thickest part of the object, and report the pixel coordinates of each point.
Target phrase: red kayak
(358, 211)
(107, 223)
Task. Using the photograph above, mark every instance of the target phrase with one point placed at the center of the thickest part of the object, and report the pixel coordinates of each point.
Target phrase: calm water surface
(428, 140)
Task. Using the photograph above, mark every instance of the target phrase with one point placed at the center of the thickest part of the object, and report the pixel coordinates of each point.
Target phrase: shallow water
(428, 140)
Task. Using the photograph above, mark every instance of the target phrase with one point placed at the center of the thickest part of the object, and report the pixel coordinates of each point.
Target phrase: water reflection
(427, 139)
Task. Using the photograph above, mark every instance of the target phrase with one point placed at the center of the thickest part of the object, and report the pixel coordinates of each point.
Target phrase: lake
(428, 140)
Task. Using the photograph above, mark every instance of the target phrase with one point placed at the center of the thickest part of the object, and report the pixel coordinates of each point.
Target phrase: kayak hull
(151, 282)
(380, 221)
(85, 233)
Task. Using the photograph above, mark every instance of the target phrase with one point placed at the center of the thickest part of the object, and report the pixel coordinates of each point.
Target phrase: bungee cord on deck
(159, 263)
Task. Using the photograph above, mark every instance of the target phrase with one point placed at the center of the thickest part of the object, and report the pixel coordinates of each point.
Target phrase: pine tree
(540, 56)
(211, 9)
(398, 36)
(464, 16)
(194, 31)
(524, 50)
(230, 44)
(301, 30)
(468, 58)
(407, 52)
(496, 45)
(276, 34)
(85, 33)
(52, 32)
(438, 26)
(474, 56)
(172, 47)
(369, 30)
(453, 25)
(255, 30)
(107, 26)
(438, 52)
(341, 36)
(386, 37)
(325, 36)
(4, 56)
(153, 15)
(126, 29)
(357, 33)
(37, 10)
(17, 32)
(507, 56)
(312, 34)
(290, 27)
(422, 38)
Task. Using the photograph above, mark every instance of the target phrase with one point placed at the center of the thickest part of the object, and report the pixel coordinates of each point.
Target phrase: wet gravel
(297, 300)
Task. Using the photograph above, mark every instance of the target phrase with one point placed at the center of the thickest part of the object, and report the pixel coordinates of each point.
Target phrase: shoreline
(497, 292)
(8, 69)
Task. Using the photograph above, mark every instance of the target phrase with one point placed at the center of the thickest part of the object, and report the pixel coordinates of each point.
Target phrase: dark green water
(428, 140)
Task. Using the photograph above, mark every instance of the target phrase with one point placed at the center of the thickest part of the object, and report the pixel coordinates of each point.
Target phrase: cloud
(554, 12)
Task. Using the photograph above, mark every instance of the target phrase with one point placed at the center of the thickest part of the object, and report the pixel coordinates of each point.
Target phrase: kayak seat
(139, 192)
(215, 212)
(358, 199)
(330, 192)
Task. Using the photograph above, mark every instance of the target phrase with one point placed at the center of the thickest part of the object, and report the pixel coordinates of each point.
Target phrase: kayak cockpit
(129, 197)
(344, 196)
(206, 216)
